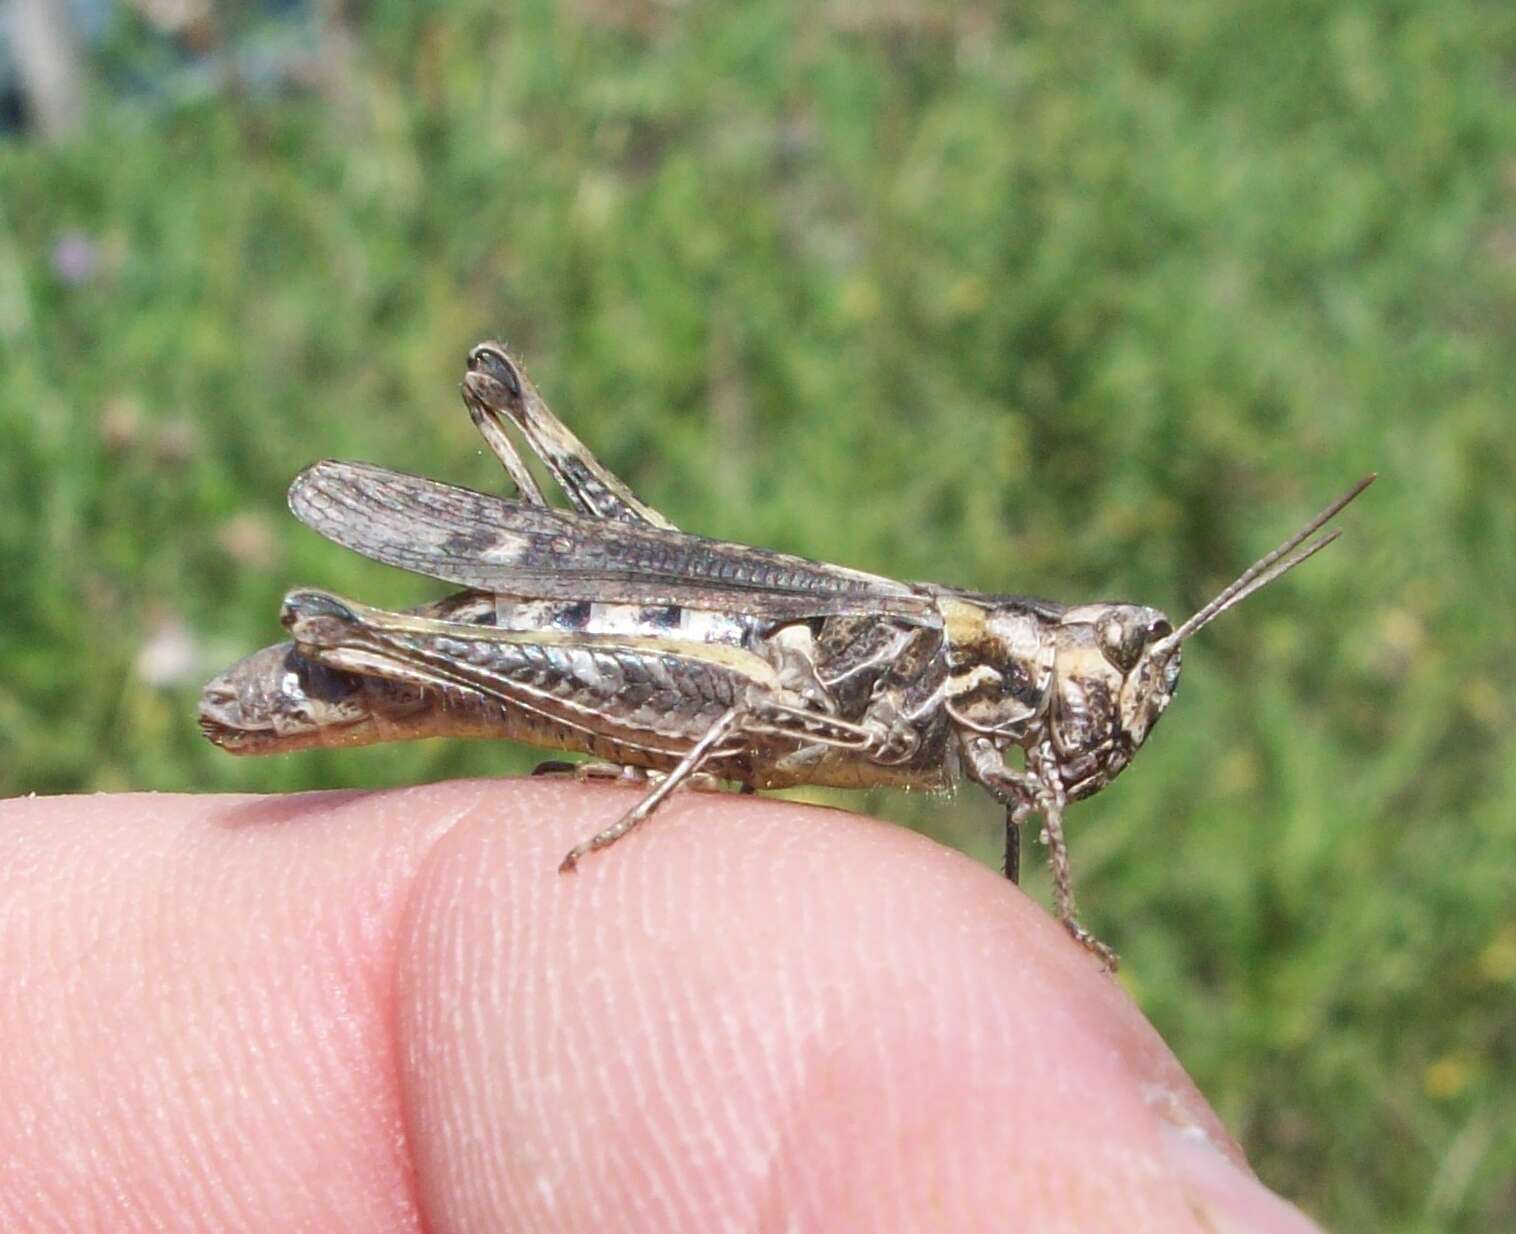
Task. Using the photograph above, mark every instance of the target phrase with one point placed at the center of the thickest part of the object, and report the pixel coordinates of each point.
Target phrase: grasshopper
(671, 658)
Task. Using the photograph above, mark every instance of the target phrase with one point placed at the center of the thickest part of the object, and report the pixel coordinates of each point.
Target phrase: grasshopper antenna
(1266, 569)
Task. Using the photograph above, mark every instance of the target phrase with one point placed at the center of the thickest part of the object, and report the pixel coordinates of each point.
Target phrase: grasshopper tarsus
(1051, 809)
(687, 768)
(606, 627)
(603, 839)
(1103, 952)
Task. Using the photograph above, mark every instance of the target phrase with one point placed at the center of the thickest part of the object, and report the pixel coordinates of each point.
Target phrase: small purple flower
(75, 258)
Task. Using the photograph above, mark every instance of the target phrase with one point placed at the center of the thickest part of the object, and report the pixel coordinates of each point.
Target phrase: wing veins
(477, 540)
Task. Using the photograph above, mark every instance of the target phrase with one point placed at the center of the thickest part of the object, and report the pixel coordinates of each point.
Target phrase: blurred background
(1076, 300)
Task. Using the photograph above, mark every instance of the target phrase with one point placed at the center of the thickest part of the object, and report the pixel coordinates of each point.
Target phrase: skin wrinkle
(775, 1209)
(335, 1027)
(543, 1000)
(61, 953)
(759, 1154)
(197, 1142)
(860, 1029)
(759, 1143)
(490, 1083)
(946, 1014)
(915, 977)
(394, 890)
(717, 1116)
(656, 1076)
(766, 1160)
(615, 944)
(428, 1028)
(820, 1043)
(677, 1181)
(932, 1032)
(1049, 1005)
(598, 1136)
(784, 1174)
(803, 1055)
(423, 918)
(1103, 1074)
(720, 1037)
(515, 982)
(493, 1083)
(550, 1090)
(580, 1163)
(767, 1164)
(772, 1036)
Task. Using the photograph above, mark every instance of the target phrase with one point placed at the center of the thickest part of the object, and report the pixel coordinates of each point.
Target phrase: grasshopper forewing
(605, 630)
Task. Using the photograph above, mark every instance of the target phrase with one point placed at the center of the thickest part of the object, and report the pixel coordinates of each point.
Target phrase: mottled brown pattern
(606, 630)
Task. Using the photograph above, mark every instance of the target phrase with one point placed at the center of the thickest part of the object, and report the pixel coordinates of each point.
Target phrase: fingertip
(748, 1014)
(753, 1007)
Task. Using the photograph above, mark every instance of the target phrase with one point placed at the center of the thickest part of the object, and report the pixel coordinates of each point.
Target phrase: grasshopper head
(1117, 665)
(1114, 672)
(278, 700)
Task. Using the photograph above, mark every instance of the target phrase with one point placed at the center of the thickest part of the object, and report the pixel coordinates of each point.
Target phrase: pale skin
(389, 1012)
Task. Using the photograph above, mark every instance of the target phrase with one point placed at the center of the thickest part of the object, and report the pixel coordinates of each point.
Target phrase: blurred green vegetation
(1079, 301)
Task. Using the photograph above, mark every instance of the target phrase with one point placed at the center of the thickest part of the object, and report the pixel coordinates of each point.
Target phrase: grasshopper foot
(1109, 960)
(606, 838)
(688, 767)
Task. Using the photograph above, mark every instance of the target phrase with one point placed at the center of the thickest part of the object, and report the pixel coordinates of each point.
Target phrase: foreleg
(1051, 808)
(1037, 790)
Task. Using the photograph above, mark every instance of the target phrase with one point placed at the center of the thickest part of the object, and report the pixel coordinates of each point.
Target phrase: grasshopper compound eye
(1127, 630)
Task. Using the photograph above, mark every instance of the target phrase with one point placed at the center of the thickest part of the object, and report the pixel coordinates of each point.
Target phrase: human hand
(388, 1012)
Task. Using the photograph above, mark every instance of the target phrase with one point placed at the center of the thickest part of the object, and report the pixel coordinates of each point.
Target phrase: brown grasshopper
(670, 657)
